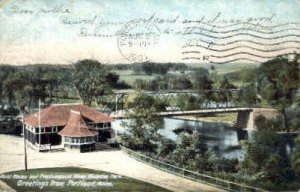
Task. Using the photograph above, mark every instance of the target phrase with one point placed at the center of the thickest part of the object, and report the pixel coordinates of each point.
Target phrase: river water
(214, 134)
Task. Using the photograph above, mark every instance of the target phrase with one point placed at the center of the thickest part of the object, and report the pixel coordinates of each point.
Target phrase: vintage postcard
(149, 95)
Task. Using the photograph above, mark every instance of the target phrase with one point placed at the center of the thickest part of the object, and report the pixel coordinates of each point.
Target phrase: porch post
(40, 124)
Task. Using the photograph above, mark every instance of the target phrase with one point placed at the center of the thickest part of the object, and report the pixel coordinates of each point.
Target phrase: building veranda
(70, 126)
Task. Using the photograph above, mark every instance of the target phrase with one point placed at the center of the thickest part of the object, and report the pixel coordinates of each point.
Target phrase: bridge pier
(246, 119)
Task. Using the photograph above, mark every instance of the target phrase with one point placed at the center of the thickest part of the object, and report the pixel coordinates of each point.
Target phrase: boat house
(72, 126)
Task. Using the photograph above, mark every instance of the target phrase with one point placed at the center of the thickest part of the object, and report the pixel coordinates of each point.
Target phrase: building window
(54, 129)
(43, 130)
(67, 139)
(48, 129)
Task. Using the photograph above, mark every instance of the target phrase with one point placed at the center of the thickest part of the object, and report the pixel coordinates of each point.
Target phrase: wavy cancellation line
(257, 60)
(271, 27)
(244, 29)
(247, 47)
(224, 62)
(238, 59)
(243, 34)
(240, 41)
(191, 58)
(186, 52)
(226, 58)
(237, 53)
(246, 53)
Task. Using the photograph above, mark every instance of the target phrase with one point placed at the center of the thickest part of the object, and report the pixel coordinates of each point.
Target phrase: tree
(91, 80)
(274, 124)
(184, 154)
(144, 123)
(201, 80)
(203, 83)
(225, 94)
(165, 148)
(182, 83)
(248, 94)
(265, 158)
(296, 157)
(112, 79)
(279, 80)
(140, 84)
(181, 67)
(189, 102)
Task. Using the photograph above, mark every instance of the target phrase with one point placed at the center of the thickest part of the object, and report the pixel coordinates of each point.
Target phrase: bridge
(121, 114)
(114, 105)
(245, 116)
(115, 102)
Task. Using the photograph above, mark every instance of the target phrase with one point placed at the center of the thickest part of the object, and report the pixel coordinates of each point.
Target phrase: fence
(219, 183)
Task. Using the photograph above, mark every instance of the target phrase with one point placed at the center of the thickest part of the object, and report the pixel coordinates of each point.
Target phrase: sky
(62, 32)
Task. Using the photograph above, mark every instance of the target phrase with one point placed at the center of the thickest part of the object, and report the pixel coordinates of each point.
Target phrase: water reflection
(215, 134)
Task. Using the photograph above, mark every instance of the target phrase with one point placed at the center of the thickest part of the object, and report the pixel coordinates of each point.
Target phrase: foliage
(142, 129)
(266, 160)
(274, 124)
(9, 112)
(248, 95)
(24, 86)
(181, 83)
(225, 95)
(188, 102)
(165, 148)
(150, 68)
(296, 157)
(92, 80)
(193, 154)
(279, 80)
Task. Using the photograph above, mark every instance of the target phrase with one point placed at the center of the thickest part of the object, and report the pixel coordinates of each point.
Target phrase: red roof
(58, 115)
(76, 126)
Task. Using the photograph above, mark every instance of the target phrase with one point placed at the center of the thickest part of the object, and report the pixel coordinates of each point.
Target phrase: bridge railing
(213, 181)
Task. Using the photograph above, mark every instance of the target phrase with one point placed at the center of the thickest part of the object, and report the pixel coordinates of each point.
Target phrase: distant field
(75, 179)
(130, 77)
(226, 68)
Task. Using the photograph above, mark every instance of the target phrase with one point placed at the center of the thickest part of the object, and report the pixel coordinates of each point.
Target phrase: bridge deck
(121, 114)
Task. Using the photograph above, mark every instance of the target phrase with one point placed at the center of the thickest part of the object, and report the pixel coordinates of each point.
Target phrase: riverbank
(228, 118)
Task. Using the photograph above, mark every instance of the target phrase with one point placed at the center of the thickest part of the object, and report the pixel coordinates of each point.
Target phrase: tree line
(87, 80)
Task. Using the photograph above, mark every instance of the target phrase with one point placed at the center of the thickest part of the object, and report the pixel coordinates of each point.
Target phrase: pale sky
(55, 31)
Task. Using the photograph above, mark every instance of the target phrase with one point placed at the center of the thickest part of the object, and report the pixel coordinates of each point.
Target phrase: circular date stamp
(137, 40)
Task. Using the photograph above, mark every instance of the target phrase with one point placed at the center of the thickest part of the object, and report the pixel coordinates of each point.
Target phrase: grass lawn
(74, 179)
(130, 77)
(225, 68)
(223, 117)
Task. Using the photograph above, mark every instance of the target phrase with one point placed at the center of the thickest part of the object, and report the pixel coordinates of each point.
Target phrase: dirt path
(12, 158)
